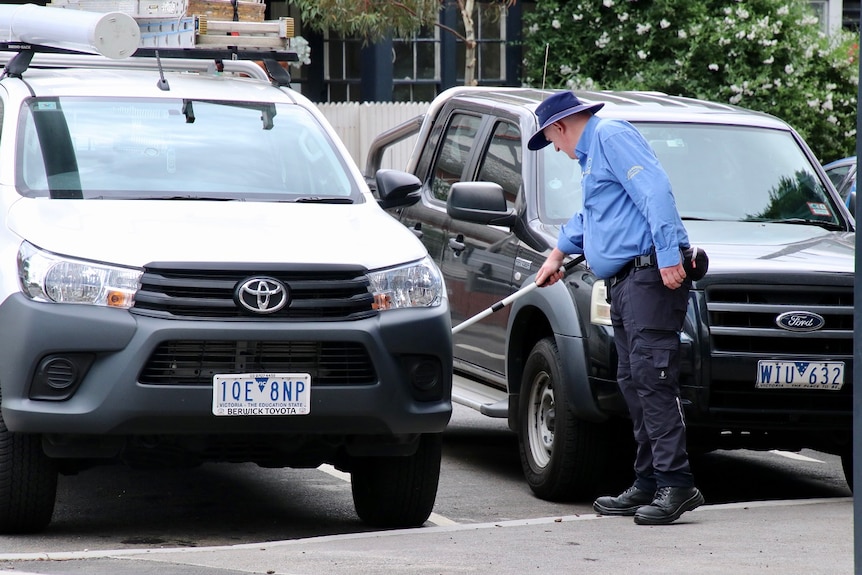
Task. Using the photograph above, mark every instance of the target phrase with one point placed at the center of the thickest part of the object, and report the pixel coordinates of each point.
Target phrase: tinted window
(502, 161)
(837, 172)
(458, 142)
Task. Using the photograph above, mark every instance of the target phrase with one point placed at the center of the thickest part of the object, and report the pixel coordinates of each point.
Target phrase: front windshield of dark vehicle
(173, 148)
(718, 172)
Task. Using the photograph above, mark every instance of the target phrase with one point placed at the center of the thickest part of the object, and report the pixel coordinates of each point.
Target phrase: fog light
(58, 376)
(59, 372)
(425, 375)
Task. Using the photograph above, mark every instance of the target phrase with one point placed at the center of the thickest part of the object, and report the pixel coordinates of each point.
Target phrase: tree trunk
(466, 7)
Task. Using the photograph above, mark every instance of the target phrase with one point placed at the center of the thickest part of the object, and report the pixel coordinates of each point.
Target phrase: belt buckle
(645, 261)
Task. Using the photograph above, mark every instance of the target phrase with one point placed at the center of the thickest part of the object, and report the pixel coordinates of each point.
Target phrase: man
(632, 236)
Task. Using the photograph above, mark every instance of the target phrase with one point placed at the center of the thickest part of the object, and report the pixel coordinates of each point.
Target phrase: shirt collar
(586, 139)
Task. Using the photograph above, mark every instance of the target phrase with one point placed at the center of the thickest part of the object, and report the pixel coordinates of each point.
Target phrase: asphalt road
(112, 508)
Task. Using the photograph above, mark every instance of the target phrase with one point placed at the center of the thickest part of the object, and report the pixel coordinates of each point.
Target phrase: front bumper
(111, 400)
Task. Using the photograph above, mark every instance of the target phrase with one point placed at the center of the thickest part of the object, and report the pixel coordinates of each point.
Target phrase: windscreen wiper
(323, 200)
(188, 197)
(797, 221)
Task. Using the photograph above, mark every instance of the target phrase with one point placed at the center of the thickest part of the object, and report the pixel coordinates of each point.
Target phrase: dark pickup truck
(768, 339)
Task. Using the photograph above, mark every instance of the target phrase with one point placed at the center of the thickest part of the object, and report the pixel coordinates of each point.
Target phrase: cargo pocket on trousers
(662, 357)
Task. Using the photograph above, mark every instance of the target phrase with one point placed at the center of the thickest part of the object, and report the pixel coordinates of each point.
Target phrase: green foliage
(368, 19)
(790, 199)
(766, 55)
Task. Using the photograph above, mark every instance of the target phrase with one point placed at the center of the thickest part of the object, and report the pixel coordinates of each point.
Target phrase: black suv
(768, 340)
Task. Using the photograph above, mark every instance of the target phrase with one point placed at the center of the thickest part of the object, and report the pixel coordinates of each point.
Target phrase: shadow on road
(214, 504)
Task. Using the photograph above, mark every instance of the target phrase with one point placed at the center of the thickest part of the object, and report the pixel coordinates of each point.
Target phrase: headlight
(414, 285)
(48, 277)
(600, 309)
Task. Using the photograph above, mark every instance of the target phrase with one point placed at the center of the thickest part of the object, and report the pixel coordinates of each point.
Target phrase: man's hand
(550, 273)
(673, 276)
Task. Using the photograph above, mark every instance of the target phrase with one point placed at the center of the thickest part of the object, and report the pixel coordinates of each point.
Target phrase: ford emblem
(800, 321)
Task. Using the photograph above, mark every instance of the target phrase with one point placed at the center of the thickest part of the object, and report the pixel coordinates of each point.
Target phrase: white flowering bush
(766, 55)
(303, 51)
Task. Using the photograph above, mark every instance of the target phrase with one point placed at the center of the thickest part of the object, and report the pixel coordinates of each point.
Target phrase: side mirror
(396, 188)
(480, 203)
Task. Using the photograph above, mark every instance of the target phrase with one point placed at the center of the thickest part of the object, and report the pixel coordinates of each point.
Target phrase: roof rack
(56, 59)
(19, 57)
(117, 38)
(113, 39)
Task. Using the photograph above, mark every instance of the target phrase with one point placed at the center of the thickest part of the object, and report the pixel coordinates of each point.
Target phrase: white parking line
(796, 456)
(326, 468)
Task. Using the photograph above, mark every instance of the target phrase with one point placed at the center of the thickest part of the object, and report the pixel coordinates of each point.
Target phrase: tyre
(563, 457)
(847, 465)
(28, 483)
(398, 491)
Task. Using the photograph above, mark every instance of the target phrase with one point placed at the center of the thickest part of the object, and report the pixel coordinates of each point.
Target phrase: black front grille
(742, 319)
(783, 405)
(316, 293)
(196, 362)
(743, 330)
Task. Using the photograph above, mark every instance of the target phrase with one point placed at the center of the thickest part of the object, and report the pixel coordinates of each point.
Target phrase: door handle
(457, 244)
(417, 230)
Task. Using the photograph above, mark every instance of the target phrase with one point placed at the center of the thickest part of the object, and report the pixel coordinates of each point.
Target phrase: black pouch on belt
(695, 261)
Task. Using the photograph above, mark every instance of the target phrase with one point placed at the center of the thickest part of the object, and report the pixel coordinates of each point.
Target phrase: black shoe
(669, 504)
(626, 503)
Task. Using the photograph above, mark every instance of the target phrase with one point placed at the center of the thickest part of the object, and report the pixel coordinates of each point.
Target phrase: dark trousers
(647, 318)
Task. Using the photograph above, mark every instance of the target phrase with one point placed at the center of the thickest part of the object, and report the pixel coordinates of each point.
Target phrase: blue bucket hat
(556, 108)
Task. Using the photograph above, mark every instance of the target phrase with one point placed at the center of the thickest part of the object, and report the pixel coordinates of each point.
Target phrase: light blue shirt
(628, 203)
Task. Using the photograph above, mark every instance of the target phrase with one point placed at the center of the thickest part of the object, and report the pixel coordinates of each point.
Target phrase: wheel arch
(550, 312)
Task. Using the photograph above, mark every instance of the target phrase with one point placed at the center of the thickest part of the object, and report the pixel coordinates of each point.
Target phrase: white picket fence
(358, 124)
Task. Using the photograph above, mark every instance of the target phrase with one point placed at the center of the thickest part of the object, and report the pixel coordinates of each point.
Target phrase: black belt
(638, 263)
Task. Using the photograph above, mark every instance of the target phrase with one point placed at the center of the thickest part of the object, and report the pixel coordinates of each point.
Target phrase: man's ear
(561, 125)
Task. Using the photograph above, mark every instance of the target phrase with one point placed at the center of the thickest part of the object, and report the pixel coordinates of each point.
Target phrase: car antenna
(161, 82)
(545, 68)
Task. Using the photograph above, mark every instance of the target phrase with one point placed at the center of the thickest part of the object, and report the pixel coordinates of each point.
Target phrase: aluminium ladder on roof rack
(272, 34)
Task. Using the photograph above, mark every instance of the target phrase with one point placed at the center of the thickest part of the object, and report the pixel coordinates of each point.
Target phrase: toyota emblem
(262, 295)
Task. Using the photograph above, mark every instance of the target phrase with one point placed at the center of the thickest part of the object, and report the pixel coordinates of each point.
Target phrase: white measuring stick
(507, 300)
